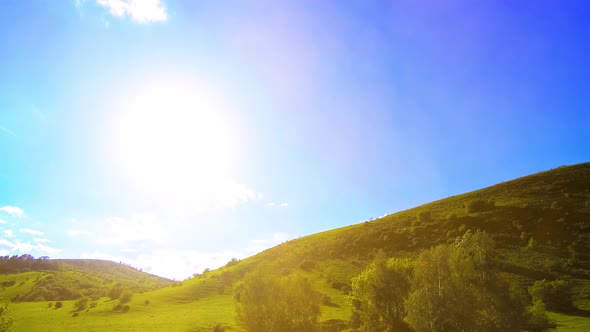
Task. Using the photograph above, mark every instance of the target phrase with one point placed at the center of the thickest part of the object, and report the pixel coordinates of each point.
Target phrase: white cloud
(3, 221)
(125, 231)
(77, 232)
(12, 210)
(283, 204)
(42, 240)
(27, 247)
(8, 233)
(141, 11)
(259, 245)
(30, 231)
(173, 264)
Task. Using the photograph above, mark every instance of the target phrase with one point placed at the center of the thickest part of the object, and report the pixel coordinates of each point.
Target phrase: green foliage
(424, 216)
(268, 303)
(531, 244)
(6, 320)
(455, 288)
(115, 292)
(554, 294)
(126, 296)
(81, 303)
(378, 295)
(218, 328)
(479, 205)
(538, 320)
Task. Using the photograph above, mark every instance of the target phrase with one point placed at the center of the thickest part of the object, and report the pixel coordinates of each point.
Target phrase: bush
(75, 314)
(424, 216)
(125, 308)
(81, 303)
(5, 318)
(218, 328)
(118, 307)
(147, 302)
(50, 305)
(58, 305)
(126, 296)
(479, 205)
(554, 294)
(93, 304)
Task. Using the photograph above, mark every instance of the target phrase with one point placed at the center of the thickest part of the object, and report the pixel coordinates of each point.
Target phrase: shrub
(75, 314)
(50, 305)
(125, 308)
(479, 205)
(58, 305)
(218, 328)
(5, 318)
(115, 292)
(531, 244)
(538, 320)
(424, 216)
(93, 304)
(307, 266)
(118, 307)
(126, 296)
(81, 303)
(554, 294)
(147, 302)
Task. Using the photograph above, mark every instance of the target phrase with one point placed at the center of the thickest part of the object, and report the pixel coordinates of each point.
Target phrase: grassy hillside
(71, 279)
(540, 223)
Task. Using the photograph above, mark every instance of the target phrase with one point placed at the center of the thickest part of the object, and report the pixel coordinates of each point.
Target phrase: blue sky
(175, 135)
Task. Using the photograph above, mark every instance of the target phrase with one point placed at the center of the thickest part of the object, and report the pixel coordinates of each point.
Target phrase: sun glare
(174, 141)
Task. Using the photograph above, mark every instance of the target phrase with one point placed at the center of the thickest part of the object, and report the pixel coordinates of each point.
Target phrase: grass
(552, 207)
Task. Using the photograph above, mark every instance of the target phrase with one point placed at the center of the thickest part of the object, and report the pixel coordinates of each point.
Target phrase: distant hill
(25, 278)
(540, 224)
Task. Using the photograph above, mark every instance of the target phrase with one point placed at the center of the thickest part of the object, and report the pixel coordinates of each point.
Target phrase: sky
(175, 135)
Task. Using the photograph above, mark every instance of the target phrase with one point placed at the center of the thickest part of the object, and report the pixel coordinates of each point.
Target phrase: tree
(378, 295)
(269, 303)
(455, 288)
(554, 294)
(5, 318)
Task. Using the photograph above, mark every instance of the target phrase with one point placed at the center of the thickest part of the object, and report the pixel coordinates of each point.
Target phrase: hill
(26, 279)
(540, 224)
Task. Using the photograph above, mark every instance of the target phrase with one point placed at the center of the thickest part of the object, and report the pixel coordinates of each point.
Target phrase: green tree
(5, 318)
(554, 294)
(378, 295)
(268, 303)
(455, 288)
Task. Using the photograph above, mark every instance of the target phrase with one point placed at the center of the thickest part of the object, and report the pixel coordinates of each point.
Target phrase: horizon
(175, 136)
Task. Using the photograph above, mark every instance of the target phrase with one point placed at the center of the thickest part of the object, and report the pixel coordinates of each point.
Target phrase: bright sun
(175, 140)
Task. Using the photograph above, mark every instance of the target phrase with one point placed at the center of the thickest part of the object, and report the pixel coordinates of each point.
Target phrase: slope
(541, 225)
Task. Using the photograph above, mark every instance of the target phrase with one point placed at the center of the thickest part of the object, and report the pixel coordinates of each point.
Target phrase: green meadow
(540, 225)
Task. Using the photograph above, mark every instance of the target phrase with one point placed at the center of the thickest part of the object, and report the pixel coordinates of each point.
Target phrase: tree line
(454, 287)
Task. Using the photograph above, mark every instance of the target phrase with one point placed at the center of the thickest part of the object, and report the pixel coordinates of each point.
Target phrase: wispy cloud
(28, 247)
(42, 240)
(12, 210)
(272, 240)
(8, 233)
(7, 131)
(30, 231)
(174, 264)
(77, 232)
(3, 221)
(141, 11)
(283, 204)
